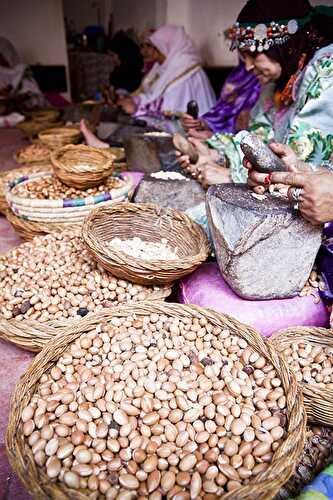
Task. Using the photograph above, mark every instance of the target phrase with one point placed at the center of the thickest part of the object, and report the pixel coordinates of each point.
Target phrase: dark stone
(178, 194)
(248, 370)
(149, 153)
(25, 306)
(207, 362)
(19, 292)
(82, 311)
(264, 248)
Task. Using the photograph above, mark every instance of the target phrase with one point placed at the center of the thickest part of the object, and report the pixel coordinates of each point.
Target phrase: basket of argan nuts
(9, 176)
(82, 166)
(42, 197)
(51, 282)
(156, 400)
(145, 243)
(309, 353)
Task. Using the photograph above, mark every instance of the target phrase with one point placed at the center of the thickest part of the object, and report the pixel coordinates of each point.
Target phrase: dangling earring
(286, 97)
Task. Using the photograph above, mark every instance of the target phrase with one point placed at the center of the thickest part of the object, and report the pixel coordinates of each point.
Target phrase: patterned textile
(321, 488)
(306, 125)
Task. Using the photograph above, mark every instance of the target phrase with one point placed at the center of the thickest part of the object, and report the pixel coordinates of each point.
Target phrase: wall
(36, 28)
(204, 20)
(87, 12)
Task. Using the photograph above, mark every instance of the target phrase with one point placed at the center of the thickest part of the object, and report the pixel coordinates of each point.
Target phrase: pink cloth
(136, 176)
(206, 288)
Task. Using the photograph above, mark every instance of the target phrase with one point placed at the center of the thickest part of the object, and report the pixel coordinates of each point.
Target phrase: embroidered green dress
(306, 125)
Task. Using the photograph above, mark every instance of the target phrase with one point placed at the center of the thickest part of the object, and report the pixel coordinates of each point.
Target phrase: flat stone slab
(264, 248)
(179, 194)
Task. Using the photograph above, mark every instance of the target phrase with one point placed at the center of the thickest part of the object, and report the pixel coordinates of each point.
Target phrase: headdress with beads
(260, 37)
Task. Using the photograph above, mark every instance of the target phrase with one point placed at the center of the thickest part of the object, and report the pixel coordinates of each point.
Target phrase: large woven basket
(265, 485)
(318, 401)
(62, 210)
(29, 229)
(82, 166)
(9, 175)
(45, 115)
(56, 137)
(151, 223)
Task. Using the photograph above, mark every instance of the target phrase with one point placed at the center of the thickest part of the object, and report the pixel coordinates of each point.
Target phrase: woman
(231, 112)
(128, 62)
(15, 79)
(288, 46)
(175, 78)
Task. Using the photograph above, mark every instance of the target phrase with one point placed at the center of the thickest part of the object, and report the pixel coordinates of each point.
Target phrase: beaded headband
(260, 37)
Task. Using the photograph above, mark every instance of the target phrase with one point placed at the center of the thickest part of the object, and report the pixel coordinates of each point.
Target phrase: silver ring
(296, 194)
(296, 207)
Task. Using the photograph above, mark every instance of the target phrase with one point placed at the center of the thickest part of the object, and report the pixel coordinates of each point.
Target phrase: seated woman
(15, 79)
(175, 78)
(232, 111)
(128, 62)
(288, 45)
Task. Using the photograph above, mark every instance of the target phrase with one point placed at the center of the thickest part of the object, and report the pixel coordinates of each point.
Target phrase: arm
(311, 128)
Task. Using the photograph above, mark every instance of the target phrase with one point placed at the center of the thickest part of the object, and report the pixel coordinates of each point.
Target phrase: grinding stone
(178, 194)
(151, 154)
(264, 248)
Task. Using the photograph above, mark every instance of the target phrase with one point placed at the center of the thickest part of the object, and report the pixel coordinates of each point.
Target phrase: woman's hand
(288, 157)
(206, 154)
(127, 104)
(188, 122)
(316, 198)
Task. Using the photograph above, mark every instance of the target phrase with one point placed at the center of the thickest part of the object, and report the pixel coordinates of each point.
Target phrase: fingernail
(267, 179)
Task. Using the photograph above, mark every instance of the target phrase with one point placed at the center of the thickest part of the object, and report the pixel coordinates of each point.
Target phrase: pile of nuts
(169, 176)
(33, 153)
(312, 364)
(54, 277)
(314, 284)
(51, 188)
(145, 250)
(156, 407)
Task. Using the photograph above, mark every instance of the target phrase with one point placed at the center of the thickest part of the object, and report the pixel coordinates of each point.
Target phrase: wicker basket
(82, 166)
(27, 230)
(62, 210)
(10, 175)
(56, 137)
(33, 154)
(152, 223)
(31, 128)
(318, 401)
(266, 484)
(45, 115)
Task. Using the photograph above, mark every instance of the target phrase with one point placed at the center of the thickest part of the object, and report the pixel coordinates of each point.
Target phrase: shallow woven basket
(22, 159)
(266, 484)
(82, 166)
(27, 230)
(9, 175)
(318, 401)
(31, 127)
(72, 210)
(45, 115)
(56, 137)
(151, 223)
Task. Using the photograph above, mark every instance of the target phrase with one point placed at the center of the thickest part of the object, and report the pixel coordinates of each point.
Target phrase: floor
(14, 361)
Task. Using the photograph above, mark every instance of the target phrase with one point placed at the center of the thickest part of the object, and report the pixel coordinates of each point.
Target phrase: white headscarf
(181, 56)
(11, 75)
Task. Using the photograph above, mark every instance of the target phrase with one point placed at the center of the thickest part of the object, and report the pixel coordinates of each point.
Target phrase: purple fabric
(240, 92)
(206, 288)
